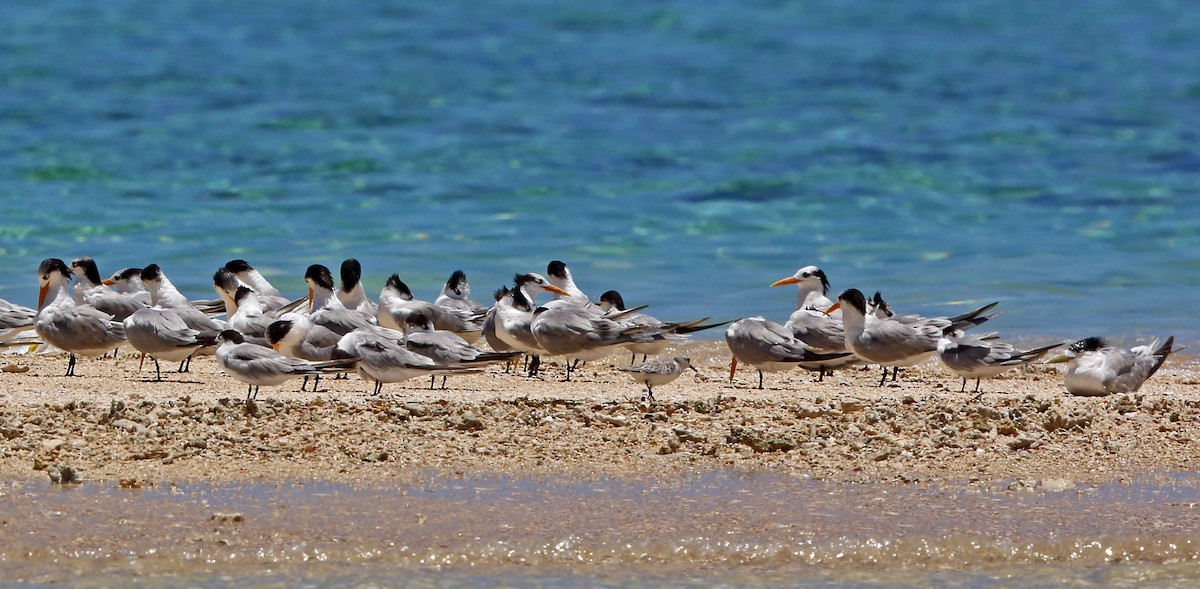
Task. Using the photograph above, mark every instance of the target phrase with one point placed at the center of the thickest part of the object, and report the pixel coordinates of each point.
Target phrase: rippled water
(722, 528)
(688, 154)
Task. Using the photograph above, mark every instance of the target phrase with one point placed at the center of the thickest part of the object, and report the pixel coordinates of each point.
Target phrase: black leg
(976, 385)
(964, 387)
(432, 378)
(895, 371)
(649, 392)
(760, 387)
(883, 379)
(157, 370)
(71, 365)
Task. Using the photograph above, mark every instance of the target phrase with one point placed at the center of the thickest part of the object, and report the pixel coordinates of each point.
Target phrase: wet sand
(116, 424)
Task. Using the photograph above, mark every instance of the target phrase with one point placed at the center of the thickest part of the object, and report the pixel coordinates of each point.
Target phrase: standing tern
(91, 290)
(613, 304)
(580, 333)
(76, 329)
(444, 347)
(163, 294)
(658, 371)
(513, 315)
(889, 342)
(261, 366)
(771, 347)
(1095, 368)
(982, 355)
(351, 293)
(162, 335)
(560, 276)
(382, 360)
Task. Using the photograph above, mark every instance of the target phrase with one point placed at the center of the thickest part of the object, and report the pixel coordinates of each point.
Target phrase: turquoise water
(687, 154)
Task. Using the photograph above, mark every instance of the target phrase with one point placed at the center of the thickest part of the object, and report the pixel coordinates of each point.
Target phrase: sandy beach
(116, 424)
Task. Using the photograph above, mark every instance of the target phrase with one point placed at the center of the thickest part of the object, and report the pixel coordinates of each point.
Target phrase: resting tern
(77, 329)
(163, 294)
(771, 347)
(128, 281)
(14, 319)
(456, 294)
(560, 276)
(162, 335)
(889, 342)
(351, 294)
(268, 295)
(444, 347)
(658, 371)
(261, 366)
(982, 355)
(91, 290)
(325, 309)
(1095, 368)
(396, 303)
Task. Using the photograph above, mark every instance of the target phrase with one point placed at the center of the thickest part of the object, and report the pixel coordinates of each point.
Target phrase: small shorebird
(1096, 368)
(163, 335)
(983, 355)
(658, 371)
(81, 330)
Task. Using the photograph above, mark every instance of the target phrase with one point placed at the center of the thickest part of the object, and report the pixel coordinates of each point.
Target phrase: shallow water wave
(722, 524)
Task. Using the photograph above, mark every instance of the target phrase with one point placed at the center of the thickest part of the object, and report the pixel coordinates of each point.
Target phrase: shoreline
(114, 424)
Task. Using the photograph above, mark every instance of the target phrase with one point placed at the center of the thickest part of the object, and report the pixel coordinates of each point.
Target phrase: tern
(513, 315)
(444, 347)
(382, 360)
(164, 295)
(579, 333)
(128, 281)
(771, 347)
(658, 371)
(325, 309)
(812, 288)
(396, 303)
(560, 276)
(258, 366)
(81, 330)
(982, 355)
(14, 319)
(270, 296)
(351, 293)
(613, 304)
(1095, 368)
(162, 335)
(456, 294)
(893, 343)
(91, 290)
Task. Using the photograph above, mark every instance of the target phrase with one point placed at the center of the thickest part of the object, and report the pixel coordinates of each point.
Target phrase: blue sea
(1041, 154)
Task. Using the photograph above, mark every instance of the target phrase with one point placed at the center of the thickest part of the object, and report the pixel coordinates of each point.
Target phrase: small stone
(375, 457)
(465, 422)
(129, 425)
(61, 474)
(53, 444)
(199, 443)
(227, 518)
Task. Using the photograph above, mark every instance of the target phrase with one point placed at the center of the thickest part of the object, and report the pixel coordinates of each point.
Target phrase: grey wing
(817, 330)
(82, 328)
(1132, 369)
(206, 326)
(968, 355)
(886, 341)
(340, 320)
(118, 305)
(259, 361)
(443, 347)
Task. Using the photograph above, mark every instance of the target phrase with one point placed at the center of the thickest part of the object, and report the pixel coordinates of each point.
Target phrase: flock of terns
(265, 339)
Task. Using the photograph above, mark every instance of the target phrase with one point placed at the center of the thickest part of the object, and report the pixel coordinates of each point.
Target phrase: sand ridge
(114, 423)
